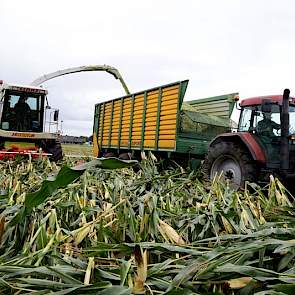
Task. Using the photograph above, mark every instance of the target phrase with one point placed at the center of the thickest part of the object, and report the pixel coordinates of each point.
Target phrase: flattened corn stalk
(123, 232)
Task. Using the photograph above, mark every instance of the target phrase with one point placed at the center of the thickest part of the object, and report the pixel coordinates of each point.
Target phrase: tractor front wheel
(232, 161)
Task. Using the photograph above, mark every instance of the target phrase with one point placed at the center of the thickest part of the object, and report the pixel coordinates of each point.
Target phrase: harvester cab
(28, 123)
(263, 144)
(23, 119)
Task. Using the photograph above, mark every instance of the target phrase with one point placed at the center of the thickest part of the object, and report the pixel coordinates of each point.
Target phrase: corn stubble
(145, 232)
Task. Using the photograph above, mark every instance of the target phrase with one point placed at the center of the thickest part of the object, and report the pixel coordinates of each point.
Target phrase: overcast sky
(244, 46)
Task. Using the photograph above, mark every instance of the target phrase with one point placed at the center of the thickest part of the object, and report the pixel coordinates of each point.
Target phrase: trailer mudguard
(248, 140)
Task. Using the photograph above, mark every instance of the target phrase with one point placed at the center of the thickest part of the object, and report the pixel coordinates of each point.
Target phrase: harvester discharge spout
(111, 70)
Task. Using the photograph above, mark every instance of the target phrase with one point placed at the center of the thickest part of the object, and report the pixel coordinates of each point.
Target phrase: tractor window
(254, 120)
(268, 124)
(292, 119)
(22, 112)
(245, 119)
(252, 117)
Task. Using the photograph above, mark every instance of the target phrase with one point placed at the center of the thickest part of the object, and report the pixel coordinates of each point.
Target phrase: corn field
(142, 231)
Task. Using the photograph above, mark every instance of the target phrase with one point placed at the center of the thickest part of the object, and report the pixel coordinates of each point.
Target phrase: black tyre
(233, 161)
(55, 149)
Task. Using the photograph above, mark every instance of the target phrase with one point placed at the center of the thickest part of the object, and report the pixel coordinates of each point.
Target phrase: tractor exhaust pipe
(285, 131)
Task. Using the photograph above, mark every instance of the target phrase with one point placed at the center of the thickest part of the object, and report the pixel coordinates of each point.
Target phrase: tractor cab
(262, 116)
(22, 108)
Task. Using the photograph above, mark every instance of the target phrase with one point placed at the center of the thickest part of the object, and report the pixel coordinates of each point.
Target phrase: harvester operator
(22, 114)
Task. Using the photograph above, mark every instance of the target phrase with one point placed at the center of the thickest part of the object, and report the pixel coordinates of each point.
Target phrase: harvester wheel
(233, 161)
(55, 149)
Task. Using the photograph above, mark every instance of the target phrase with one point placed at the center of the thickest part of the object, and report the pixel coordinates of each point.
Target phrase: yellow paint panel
(108, 113)
(168, 103)
(115, 125)
(167, 137)
(170, 88)
(150, 137)
(149, 143)
(152, 99)
(168, 117)
(169, 144)
(116, 120)
(168, 112)
(137, 112)
(126, 110)
(150, 126)
(124, 133)
(107, 120)
(137, 129)
(151, 115)
(167, 132)
(167, 128)
(137, 118)
(139, 96)
(95, 145)
(153, 105)
(138, 109)
(154, 109)
(168, 122)
(153, 92)
(170, 98)
(151, 121)
(125, 127)
(137, 123)
(151, 132)
(126, 122)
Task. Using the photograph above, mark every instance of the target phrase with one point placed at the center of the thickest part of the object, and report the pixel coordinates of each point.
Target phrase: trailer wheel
(55, 149)
(233, 161)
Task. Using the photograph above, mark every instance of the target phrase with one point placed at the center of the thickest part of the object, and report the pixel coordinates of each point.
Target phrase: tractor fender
(248, 140)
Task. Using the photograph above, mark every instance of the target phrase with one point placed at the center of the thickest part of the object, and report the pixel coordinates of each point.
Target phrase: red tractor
(264, 143)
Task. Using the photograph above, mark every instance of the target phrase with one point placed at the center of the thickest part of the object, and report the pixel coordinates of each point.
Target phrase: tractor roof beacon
(264, 143)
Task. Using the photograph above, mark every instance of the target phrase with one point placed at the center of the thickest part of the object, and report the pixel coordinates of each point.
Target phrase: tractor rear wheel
(233, 161)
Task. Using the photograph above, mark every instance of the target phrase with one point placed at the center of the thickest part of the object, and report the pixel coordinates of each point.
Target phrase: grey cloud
(221, 46)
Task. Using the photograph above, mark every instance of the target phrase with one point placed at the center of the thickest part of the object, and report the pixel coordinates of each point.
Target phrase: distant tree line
(69, 139)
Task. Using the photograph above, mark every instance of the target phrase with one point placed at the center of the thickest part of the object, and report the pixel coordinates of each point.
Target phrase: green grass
(77, 149)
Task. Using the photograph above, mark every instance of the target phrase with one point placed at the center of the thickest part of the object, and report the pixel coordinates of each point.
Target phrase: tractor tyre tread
(234, 150)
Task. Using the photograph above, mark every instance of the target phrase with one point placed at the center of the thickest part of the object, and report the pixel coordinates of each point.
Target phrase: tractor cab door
(265, 126)
(22, 112)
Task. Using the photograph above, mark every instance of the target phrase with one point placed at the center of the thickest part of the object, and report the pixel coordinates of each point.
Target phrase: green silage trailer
(159, 120)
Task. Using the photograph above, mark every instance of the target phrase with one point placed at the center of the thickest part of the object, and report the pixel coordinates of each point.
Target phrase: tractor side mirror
(55, 115)
(266, 106)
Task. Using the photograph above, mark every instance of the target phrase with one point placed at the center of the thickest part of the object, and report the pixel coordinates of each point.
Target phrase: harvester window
(22, 112)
